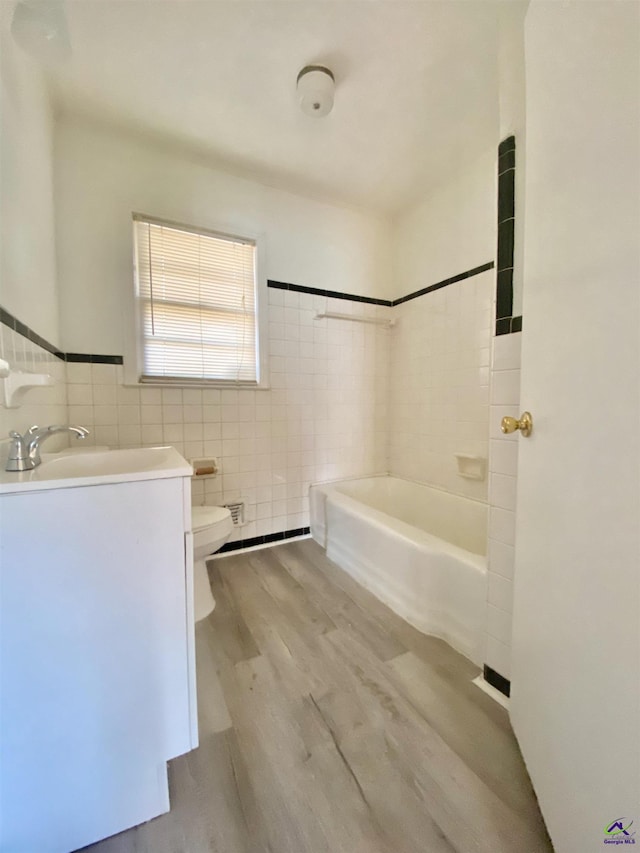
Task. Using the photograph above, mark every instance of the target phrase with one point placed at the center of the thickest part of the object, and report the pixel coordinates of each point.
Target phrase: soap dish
(17, 383)
(471, 467)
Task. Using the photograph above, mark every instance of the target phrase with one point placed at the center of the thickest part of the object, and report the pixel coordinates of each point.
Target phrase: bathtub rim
(327, 488)
(409, 532)
(388, 474)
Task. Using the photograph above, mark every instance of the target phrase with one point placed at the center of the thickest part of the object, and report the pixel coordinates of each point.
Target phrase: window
(196, 295)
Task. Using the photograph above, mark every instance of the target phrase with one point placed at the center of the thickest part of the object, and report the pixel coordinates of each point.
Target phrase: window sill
(213, 385)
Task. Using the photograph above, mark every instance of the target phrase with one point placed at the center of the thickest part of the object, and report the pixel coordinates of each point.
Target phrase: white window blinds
(196, 294)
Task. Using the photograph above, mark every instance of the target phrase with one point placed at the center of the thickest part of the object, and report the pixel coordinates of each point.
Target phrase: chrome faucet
(24, 453)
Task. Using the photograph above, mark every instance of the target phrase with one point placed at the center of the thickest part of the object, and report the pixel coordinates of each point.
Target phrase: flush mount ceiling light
(40, 28)
(315, 86)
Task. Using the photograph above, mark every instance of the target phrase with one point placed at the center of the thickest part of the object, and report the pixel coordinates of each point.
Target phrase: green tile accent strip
(506, 323)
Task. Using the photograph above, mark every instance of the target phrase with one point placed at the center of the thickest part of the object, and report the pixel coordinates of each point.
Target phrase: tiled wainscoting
(323, 418)
(439, 384)
(43, 405)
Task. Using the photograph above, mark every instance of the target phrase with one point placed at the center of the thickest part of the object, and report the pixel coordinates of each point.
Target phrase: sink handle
(18, 456)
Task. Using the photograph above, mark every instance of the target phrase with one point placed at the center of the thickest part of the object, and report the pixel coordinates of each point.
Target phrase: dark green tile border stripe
(336, 294)
(92, 358)
(460, 277)
(506, 161)
(496, 680)
(506, 323)
(13, 323)
(264, 540)
(507, 144)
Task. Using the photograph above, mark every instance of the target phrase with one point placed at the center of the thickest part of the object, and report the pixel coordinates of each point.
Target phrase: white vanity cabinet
(97, 668)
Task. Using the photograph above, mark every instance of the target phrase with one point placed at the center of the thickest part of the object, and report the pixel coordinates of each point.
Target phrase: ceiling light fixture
(315, 85)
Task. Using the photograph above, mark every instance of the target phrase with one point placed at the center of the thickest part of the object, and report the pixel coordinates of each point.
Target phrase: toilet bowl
(211, 527)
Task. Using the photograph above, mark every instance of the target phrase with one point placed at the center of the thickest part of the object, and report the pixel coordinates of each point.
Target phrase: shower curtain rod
(331, 315)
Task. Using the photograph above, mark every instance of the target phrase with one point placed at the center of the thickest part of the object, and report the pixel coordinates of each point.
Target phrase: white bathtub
(418, 549)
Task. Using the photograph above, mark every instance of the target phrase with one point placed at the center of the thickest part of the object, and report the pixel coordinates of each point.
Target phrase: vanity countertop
(67, 471)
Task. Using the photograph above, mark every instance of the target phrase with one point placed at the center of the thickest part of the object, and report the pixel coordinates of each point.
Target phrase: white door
(576, 642)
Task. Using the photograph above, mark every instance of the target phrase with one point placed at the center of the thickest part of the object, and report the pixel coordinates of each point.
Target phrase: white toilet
(211, 527)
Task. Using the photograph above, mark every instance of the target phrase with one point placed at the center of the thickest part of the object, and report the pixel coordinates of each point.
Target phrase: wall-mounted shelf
(205, 467)
(471, 467)
(15, 384)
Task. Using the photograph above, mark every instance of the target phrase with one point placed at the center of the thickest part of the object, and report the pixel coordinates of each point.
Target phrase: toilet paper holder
(204, 467)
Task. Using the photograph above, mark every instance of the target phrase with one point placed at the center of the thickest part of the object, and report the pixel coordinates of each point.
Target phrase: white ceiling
(416, 87)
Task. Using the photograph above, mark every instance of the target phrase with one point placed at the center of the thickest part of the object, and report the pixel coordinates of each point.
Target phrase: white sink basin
(65, 470)
(55, 466)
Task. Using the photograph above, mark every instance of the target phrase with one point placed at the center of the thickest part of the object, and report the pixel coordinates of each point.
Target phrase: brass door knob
(525, 424)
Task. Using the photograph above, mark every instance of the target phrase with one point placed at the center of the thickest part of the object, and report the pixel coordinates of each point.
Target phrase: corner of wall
(29, 282)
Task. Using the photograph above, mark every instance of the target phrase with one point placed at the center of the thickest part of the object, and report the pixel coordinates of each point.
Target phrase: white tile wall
(503, 456)
(323, 418)
(502, 526)
(502, 488)
(439, 384)
(505, 386)
(500, 593)
(498, 656)
(499, 624)
(501, 558)
(503, 468)
(44, 405)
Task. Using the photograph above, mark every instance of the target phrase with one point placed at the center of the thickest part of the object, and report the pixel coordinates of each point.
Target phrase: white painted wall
(27, 257)
(453, 229)
(575, 702)
(27, 237)
(102, 177)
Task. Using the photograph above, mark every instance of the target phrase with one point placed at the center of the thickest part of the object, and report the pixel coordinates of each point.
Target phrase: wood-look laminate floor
(329, 725)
